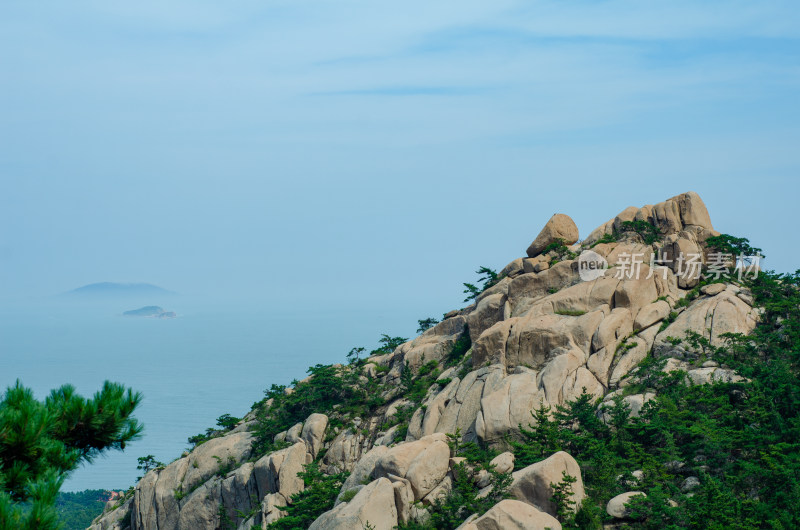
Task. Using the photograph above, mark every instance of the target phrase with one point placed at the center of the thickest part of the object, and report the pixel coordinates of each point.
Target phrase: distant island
(150, 311)
(113, 289)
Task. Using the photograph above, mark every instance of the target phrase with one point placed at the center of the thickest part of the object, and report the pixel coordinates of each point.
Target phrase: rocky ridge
(539, 336)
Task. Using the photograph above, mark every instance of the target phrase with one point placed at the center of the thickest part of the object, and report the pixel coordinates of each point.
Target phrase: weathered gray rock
(154, 502)
(455, 408)
(526, 289)
(433, 345)
(508, 406)
(689, 484)
(712, 374)
(632, 357)
(441, 490)
(428, 469)
(532, 339)
(693, 211)
(612, 329)
(616, 506)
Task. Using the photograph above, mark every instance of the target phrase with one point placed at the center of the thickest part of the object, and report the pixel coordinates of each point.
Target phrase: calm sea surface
(191, 369)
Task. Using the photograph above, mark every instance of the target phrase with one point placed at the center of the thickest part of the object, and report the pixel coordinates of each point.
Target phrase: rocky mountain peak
(541, 336)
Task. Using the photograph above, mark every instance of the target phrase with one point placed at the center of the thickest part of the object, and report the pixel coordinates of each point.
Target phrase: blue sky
(375, 154)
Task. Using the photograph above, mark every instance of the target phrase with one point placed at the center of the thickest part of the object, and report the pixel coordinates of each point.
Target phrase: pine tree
(42, 442)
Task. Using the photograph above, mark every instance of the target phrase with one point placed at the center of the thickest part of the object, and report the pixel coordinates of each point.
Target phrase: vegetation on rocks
(558, 250)
(318, 497)
(449, 511)
(647, 231)
(740, 440)
(662, 403)
(342, 389)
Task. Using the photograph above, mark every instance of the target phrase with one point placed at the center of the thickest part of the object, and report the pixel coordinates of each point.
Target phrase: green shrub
(317, 498)
(488, 277)
(426, 324)
(448, 512)
(570, 312)
(648, 232)
(741, 439)
(348, 495)
(728, 244)
(607, 238)
(459, 349)
(559, 251)
(146, 463)
(667, 321)
(562, 499)
(327, 387)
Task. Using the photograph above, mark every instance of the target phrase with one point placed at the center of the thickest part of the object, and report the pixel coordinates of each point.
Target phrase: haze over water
(212, 359)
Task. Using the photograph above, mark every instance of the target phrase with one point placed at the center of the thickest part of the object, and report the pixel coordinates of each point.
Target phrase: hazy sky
(357, 154)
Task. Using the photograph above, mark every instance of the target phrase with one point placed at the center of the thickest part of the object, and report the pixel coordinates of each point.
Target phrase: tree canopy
(41, 442)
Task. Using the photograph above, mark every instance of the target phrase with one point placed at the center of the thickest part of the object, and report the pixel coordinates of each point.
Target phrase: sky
(357, 154)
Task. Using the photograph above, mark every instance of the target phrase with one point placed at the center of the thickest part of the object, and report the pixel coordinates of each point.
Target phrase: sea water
(210, 360)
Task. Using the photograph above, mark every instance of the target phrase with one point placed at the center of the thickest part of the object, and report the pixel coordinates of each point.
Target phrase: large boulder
(513, 515)
(526, 289)
(314, 432)
(616, 506)
(559, 226)
(424, 463)
(682, 212)
(650, 314)
(533, 483)
(723, 313)
(455, 408)
(344, 451)
(533, 339)
(433, 345)
(373, 504)
(693, 210)
(503, 463)
(277, 472)
(200, 509)
(508, 406)
(490, 310)
(238, 491)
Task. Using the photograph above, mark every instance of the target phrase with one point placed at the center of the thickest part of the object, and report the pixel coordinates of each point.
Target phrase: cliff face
(541, 335)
